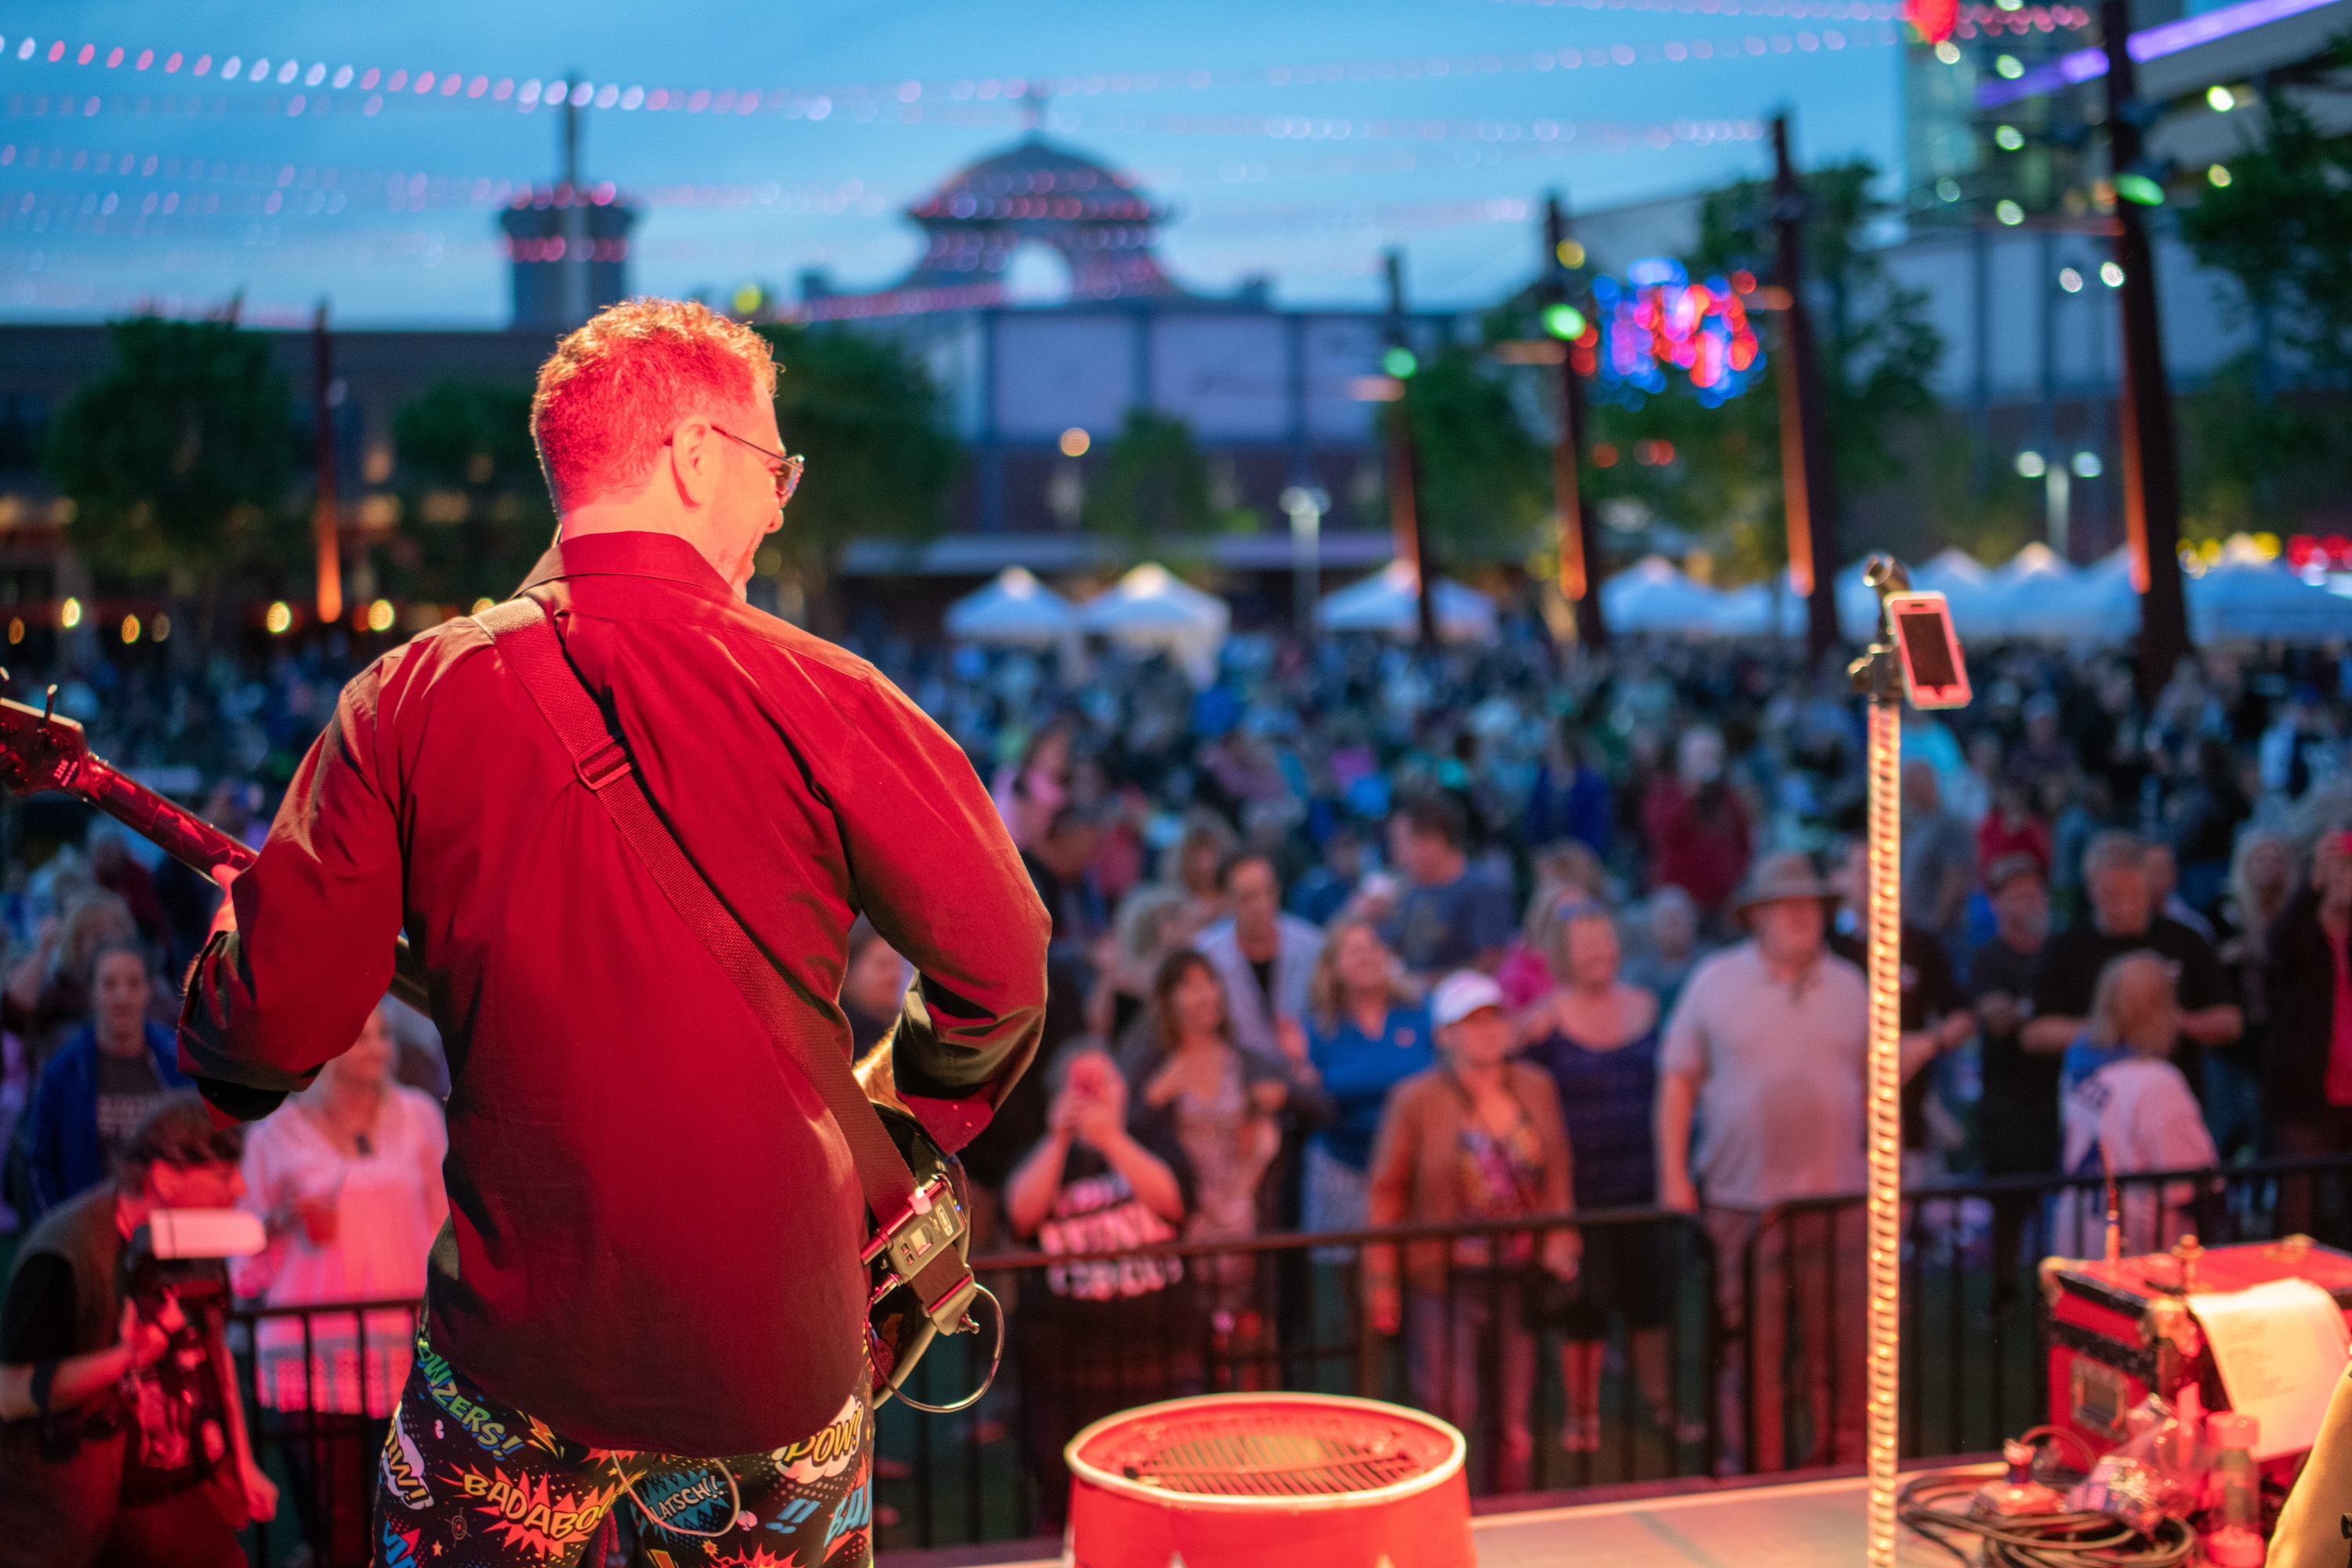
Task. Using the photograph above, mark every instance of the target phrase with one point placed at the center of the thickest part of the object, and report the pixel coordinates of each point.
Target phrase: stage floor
(1796, 1526)
(1802, 1524)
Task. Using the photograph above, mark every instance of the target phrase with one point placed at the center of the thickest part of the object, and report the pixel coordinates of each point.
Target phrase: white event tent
(1013, 607)
(2248, 597)
(1761, 609)
(1654, 594)
(1965, 583)
(1387, 602)
(1150, 608)
(2245, 597)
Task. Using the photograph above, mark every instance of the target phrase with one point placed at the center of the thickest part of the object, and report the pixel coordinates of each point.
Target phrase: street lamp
(2057, 477)
(1306, 504)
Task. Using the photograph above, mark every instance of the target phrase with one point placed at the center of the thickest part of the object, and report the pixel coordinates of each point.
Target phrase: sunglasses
(787, 472)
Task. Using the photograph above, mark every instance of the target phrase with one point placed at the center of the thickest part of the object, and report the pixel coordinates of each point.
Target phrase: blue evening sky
(864, 107)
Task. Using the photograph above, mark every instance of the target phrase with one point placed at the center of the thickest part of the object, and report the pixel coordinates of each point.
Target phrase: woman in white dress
(347, 1177)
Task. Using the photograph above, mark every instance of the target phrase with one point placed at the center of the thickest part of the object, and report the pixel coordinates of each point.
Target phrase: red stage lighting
(1934, 20)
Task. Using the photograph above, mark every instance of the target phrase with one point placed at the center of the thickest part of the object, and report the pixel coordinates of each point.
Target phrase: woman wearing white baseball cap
(1477, 1138)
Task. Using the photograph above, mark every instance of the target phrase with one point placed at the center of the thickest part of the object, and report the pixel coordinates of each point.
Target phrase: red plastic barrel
(1269, 1480)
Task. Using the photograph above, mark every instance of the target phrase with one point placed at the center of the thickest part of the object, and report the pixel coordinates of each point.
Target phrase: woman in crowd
(347, 1177)
(1029, 793)
(1699, 829)
(49, 993)
(2128, 1109)
(1154, 920)
(873, 987)
(1598, 1038)
(2009, 828)
(2307, 1090)
(1222, 1106)
(1365, 1034)
(101, 1081)
(1194, 862)
(1563, 871)
(1108, 1333)
(1478, 1137)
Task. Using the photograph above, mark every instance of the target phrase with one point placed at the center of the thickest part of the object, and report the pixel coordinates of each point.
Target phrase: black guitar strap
(527, 640)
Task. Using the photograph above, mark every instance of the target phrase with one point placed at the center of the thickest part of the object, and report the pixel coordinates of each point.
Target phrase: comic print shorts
(465, 1481)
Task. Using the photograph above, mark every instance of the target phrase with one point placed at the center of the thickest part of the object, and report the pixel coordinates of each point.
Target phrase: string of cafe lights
(904, 101)
(131, 186)
(329, 191)
(220, 240)
(326, 190)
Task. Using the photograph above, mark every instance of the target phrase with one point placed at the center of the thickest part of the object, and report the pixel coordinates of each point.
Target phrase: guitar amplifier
(2118, 1331)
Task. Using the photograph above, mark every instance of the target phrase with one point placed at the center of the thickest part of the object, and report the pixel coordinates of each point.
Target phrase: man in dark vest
(118, 1440)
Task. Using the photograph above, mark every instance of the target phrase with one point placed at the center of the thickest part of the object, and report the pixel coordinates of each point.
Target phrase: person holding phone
(1106, 1333)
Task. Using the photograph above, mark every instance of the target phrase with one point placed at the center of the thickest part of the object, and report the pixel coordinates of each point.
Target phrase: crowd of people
(1357, 937)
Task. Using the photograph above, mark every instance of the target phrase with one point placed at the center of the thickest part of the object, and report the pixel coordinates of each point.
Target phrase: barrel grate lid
(1268, 1451)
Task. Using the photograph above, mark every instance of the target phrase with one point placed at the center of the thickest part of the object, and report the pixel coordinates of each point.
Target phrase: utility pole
(2150, 459)
(1405, 465)
(1580, 544)
(326, 517)
(1809, 484)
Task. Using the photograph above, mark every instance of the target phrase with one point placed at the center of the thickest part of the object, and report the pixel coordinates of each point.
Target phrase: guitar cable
(995, 1359)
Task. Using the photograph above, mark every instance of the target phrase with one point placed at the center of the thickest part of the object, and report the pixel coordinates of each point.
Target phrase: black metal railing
(1697, 1344)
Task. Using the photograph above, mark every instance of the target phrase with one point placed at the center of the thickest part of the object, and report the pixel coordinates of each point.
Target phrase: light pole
(326, 517)
(1580, 548)
(1306, 504)
(2151, 466)
(1405, 521)
(2058, 474)
(1809, 484)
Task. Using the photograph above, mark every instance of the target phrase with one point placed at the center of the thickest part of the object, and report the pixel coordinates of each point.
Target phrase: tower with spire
(567, 243)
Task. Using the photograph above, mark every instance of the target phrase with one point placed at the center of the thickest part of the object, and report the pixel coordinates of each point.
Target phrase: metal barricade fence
(1716, 1343)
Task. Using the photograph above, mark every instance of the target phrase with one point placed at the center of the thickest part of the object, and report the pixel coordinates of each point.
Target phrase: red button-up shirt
(654, 1227)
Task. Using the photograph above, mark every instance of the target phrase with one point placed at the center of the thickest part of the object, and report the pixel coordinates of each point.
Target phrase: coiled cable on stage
(1936, 1506)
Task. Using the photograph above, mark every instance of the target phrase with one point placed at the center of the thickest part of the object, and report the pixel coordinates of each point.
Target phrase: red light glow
(1933, 19)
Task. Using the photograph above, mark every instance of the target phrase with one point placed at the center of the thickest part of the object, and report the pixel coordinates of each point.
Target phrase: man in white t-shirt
(1767, 1047)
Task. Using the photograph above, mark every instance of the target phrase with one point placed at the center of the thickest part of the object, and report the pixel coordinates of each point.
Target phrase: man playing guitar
(650, 1286)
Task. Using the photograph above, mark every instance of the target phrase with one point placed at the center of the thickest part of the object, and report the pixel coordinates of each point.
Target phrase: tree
(2251, 462)
(881, 458)
(177, 458)
(475, 512)
(1878, 353)
(1485, 478)
(1154, 487)
(2281, 230)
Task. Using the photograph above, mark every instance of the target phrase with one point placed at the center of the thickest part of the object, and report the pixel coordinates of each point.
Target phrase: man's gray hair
(2115, 850)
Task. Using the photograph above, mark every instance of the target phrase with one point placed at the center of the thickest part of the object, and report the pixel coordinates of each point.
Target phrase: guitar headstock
(38, 751)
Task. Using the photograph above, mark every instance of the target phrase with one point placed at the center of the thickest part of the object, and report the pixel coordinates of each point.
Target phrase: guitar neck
(199, 846)
(183, 836)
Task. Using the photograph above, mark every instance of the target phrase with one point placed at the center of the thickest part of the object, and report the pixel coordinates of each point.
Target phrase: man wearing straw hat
(1767, 1048)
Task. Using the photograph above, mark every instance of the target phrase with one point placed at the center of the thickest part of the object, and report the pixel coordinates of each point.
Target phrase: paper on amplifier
(2281, 1348)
